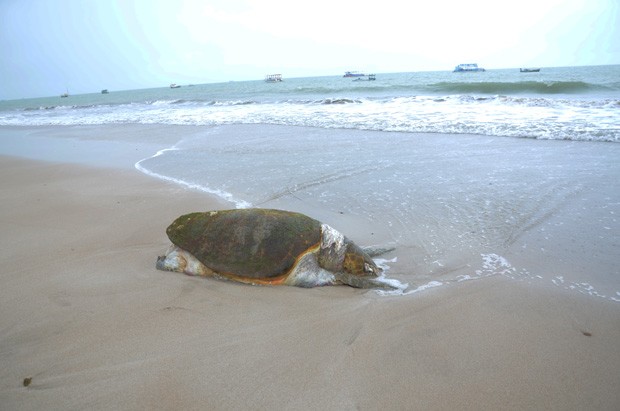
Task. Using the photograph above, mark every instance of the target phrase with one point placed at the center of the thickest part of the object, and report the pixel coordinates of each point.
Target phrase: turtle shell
(251, 243)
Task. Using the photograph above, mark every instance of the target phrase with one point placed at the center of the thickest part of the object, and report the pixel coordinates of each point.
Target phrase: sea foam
(193, 186)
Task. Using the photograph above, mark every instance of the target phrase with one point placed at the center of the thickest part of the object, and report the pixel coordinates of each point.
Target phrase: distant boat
(371, 77)
(353, 74)
(273, 78)
(104, 91)
(175, 85)
(529, 70)
(470, 67)
(63, 95)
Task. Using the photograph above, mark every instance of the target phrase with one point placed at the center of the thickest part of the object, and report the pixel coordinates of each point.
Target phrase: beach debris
(267, 247)
(27, 381)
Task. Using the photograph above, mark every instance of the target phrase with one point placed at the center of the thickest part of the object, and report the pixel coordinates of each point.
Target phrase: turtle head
(357, 262)
(339, 254)
(360, 271)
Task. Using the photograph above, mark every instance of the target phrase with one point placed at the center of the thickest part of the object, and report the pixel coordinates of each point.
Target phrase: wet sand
(87, 322)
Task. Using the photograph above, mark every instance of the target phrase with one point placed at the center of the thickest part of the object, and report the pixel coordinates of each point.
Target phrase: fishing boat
(529, 70)
(273, 78)
(353, 74)
(104, 91)
(469, 67)
(174, 85)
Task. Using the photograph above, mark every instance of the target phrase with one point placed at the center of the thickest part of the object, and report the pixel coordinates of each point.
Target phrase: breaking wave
(532, 87)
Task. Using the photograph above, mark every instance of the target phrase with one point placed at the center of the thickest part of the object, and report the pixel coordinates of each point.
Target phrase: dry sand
(85, 316)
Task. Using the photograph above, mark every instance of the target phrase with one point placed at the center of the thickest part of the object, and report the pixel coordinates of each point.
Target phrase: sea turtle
(267, 247)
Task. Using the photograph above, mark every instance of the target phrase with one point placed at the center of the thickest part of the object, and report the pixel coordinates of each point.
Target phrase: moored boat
(104, 91)
(174, 85)
(529, 70)
(353, 74)
(273, 78)
(468, 67)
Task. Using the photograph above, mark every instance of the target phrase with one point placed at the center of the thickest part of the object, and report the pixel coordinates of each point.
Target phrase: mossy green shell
(253, 243)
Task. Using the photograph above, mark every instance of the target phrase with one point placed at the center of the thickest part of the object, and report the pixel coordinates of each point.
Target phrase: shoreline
(87, 316)
(539, 225)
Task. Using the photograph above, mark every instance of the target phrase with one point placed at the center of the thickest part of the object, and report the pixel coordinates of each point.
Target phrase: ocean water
(572, 103)
(461, 175)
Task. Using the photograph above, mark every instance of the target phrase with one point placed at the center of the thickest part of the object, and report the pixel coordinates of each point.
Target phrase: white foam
(382, 263)
(193, 186)
(401, 289)
(492, 265)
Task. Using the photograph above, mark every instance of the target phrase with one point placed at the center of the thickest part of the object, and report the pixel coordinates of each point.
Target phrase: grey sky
(47, 46)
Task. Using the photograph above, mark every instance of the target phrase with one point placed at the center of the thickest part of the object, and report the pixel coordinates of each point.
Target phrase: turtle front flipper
(377, 251)
(363, 281)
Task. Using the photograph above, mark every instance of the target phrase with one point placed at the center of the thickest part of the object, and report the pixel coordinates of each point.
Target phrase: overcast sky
(47, 46)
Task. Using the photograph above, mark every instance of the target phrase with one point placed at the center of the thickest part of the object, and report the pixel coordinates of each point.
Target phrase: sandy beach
(87, 322)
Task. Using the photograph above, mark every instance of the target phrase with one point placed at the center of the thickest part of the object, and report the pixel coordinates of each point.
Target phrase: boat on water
(63, 95)
(370, 77)
(273, 78)
(175, 85)
(104, 91)
(469, 67)
(353, 74)
(529, 70)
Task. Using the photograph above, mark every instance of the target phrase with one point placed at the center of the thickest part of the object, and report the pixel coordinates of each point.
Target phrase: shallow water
(452, 207)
